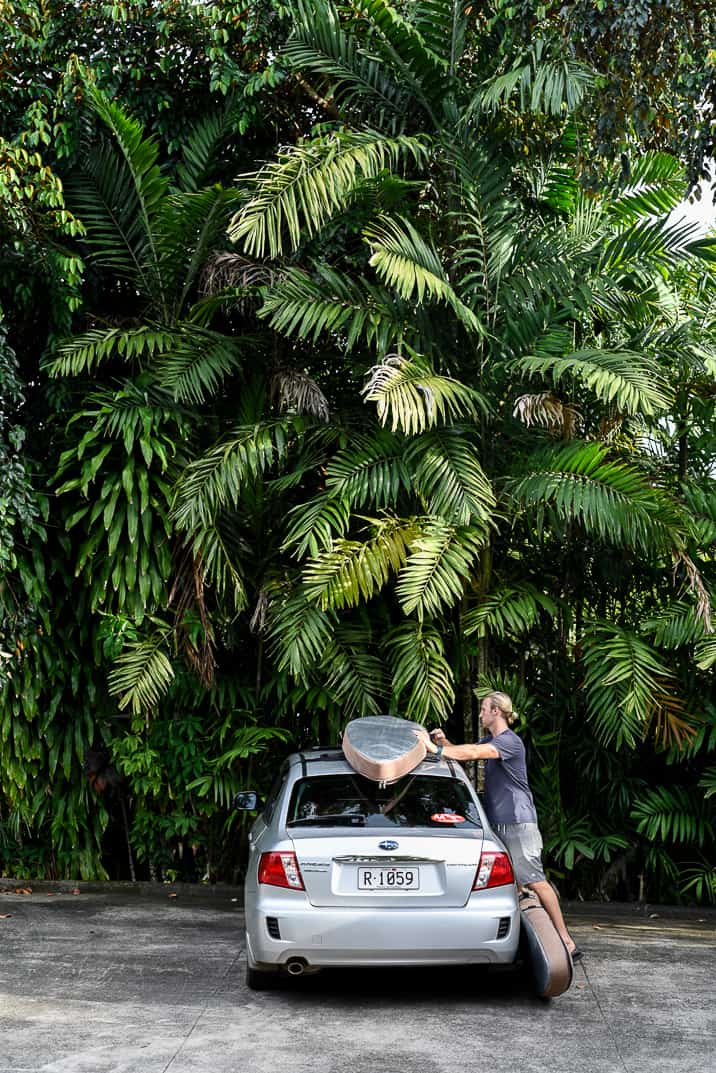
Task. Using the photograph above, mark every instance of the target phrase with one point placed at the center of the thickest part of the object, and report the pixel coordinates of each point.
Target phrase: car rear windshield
(352, 801)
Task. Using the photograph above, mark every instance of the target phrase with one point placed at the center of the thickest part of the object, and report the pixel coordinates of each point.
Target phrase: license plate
(388, 878)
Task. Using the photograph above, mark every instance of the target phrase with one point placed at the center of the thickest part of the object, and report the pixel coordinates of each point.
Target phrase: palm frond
(200, 145)
(220, 550)
(556, 185)
(299, 632)
(358, 80)
(294, 391)
(485, 246)
(351, 310)
(413, 398)
(313, 526)
(672, 814)
(404, 50)
(575, 837)
(628, 688)
(704, 249)
(701, 502)
(675, 625)
(509, 611)
(705, 653)
(628, 380)
(553, 86)
(423, 682)
(356, 676)
(84, 353)
(405, 260)
(142, 674)
(222, 780)
(189, 228)
(708, 781)
(120, 195)
(351, 570)
(699, 881)
(296, 195)
(198, 361)
(214, 481)
(656, 185)
(544, 409)
(439, 566)
(442, 25)
(611, 500)
(655, 243)
(448, 475)
(309, 460)
(372, 470)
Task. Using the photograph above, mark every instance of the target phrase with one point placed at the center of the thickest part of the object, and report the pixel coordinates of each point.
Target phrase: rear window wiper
(337, 819)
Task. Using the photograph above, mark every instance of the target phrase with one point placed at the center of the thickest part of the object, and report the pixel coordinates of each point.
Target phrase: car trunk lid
(361, 868)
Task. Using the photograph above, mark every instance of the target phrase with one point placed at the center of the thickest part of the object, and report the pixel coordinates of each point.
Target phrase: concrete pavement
(119, 983)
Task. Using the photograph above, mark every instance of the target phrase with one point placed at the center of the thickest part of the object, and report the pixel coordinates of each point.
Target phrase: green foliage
(625, 379)
(575, 839)
(117, 472)
(18, 507)
(295, 197)
(673, 815)
(611, 500)
(508, 612)
(540, 83)
(142, 674)
(443, 423)
(440, 562)
(165, 60)
(413, 398)
(422, 678)
(700, 880)
(352, 571)
(627, 687)
(406, 262)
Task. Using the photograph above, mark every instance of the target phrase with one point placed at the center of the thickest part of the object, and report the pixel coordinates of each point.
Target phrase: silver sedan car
(343, 872)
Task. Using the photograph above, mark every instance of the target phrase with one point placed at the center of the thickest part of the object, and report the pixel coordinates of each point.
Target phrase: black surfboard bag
(547, 956)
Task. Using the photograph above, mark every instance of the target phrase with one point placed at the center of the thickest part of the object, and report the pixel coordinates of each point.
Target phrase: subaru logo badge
(388, 844)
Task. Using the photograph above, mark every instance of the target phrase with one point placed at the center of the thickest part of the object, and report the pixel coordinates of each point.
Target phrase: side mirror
(246, 801)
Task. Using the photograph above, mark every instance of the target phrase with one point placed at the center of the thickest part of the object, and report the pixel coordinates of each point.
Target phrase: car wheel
(256, 980)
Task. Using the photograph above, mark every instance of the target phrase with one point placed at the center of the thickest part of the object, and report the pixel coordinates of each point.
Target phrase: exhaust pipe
(296, 966)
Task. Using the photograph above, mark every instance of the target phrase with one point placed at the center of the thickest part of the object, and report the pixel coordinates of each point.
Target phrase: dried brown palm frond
(188, 601)
(292, 389)
(608, 425)
(225, 271)
(673, 725)
(547, 411)
(695, 583)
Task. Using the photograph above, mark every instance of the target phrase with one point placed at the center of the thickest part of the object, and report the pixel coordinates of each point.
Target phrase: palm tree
(496, 273)
(500, 511)
(153, 237)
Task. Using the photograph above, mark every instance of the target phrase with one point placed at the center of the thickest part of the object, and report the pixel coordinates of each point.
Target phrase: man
(508, 801)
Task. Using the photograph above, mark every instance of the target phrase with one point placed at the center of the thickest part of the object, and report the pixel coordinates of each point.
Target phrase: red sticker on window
(447, 817)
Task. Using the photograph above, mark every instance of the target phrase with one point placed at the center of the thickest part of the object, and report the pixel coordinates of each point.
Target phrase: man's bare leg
(550, 901)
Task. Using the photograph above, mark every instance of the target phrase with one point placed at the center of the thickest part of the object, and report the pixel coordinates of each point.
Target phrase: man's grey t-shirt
(508, 798)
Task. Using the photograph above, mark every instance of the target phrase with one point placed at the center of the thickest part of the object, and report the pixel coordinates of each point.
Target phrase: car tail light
(494, 870)
(280, 870)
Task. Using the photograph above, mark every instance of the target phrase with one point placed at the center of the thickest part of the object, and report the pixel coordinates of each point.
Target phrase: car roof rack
(322, 752)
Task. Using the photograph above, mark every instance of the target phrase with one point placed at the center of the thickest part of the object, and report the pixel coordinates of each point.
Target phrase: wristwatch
(439, 751)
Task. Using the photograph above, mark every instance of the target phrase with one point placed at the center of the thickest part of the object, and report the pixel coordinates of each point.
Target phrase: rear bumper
(330, 936)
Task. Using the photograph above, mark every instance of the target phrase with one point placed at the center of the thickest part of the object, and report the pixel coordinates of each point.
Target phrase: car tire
(256, 980)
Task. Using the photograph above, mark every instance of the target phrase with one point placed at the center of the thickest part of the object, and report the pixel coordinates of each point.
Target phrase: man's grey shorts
(524, 845)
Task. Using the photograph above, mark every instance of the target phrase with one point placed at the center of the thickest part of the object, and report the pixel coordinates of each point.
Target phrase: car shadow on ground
(405, 984)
